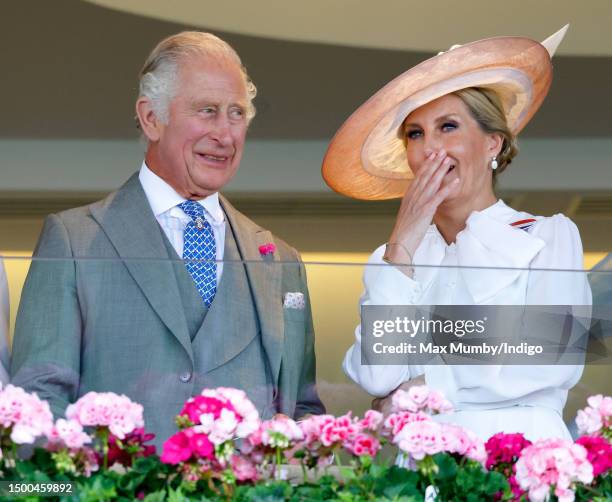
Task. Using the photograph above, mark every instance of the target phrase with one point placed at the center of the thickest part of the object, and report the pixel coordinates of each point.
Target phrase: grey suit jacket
(100, 310)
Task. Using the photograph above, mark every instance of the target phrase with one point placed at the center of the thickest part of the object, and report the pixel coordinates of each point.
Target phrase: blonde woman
(437, 136)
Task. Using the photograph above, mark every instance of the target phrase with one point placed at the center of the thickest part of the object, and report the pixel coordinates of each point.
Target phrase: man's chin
(206, 186)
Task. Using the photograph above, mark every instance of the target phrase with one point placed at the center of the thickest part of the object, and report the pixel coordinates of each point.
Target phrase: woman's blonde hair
(487, 109)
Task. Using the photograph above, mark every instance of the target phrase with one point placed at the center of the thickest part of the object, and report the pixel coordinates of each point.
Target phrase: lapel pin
(267, 249)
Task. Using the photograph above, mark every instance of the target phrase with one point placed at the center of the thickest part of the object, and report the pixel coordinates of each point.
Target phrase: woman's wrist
(399, 255)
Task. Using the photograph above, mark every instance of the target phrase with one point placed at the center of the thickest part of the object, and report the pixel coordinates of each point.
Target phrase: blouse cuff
(386, 285)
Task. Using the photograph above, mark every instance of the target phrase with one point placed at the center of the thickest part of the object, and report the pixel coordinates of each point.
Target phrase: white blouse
(480, 393)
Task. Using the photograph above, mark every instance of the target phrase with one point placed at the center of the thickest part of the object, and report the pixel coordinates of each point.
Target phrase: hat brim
(366, 158)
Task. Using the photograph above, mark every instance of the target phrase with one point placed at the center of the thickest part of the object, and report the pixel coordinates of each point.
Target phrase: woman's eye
(413, 134)
(449, 126)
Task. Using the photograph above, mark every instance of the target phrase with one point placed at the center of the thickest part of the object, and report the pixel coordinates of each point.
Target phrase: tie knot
(192, 209)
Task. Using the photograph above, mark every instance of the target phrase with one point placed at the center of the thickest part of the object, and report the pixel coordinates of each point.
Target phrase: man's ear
(496, 142)
(150, 124)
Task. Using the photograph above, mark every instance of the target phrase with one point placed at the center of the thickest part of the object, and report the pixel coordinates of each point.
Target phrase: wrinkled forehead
(216, 76)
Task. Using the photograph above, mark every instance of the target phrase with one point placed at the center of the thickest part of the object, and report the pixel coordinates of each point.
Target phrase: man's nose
(222, 131)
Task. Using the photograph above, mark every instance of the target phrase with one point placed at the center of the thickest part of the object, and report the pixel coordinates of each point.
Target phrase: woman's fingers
(429, 167)
(435, 177)
(445, 191)
(436, 180)
(421, 200)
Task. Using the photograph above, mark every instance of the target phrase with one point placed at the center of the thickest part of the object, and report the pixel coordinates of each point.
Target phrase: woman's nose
(433, 143)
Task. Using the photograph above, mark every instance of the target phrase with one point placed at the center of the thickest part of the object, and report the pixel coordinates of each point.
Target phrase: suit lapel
(130, 225)
(264, 276)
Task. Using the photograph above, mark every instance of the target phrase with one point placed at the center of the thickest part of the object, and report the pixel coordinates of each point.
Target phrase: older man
(123, 312)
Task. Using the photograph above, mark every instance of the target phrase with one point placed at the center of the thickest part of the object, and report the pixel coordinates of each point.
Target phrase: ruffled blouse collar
(487, 242)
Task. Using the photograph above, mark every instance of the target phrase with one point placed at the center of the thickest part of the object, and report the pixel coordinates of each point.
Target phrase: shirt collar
(498, 211)
(163, 198)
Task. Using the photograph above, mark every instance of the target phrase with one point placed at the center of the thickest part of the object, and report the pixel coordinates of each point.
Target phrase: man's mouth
(217, 159)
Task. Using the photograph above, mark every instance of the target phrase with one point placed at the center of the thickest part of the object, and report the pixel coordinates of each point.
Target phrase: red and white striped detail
(524, 224)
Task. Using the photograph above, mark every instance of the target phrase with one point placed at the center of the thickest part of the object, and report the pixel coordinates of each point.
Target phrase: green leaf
(447, 467)
(176, 496)
(348, 473)
(395, 482)
(272, 492)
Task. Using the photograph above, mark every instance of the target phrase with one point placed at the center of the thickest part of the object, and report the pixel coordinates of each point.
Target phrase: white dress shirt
(494, 398)
(164, 200)
(4, 326)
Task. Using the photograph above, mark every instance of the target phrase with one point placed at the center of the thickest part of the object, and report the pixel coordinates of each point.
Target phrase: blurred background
(68, 136)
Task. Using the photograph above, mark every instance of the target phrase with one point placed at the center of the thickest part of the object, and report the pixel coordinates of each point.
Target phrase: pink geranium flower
(243, 468)
(68, 433)
(372, 421)
(504, 449)
(200, 445)
(421, 438)
(177, 448)
(461, 441)
(202, 405)
(599, 453)
(322, 434)
(107, 409)
(596, 418)
(339, 430)
(313, 426)
(420, 398)
(237, 420)
(280, 432)
(396, 421)
(552, 463)
(363, 445)
(27, 416)
(209, 425)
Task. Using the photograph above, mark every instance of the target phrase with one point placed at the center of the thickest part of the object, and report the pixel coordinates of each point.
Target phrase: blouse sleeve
(384, 285)
(4, 326)
(563, 252)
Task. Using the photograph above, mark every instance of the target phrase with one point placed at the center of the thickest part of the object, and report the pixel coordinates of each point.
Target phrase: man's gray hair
(159, 75)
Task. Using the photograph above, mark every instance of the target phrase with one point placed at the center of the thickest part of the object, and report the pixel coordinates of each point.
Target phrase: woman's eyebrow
(442, 118)
(447, 117)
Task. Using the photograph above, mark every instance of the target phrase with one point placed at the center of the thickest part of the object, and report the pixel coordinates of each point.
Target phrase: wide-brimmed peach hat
(366, 158)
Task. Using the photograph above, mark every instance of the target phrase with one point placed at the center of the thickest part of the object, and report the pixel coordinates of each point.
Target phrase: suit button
(185, 377)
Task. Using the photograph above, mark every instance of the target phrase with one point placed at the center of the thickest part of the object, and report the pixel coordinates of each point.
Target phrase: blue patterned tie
(199, 251)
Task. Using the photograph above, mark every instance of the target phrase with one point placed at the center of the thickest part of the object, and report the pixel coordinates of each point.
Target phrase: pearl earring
(494, 163)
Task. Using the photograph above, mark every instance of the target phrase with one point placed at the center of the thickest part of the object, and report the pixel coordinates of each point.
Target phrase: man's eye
(237, 113)
(413, 134)
(208, 110)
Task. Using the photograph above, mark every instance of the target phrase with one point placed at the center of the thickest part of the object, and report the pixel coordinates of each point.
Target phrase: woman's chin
(453, 200)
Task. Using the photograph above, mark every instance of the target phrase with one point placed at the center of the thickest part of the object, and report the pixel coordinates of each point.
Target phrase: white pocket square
(294, 301)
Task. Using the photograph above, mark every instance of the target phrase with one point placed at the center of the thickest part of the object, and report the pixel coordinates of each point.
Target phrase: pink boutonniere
(267, 249)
